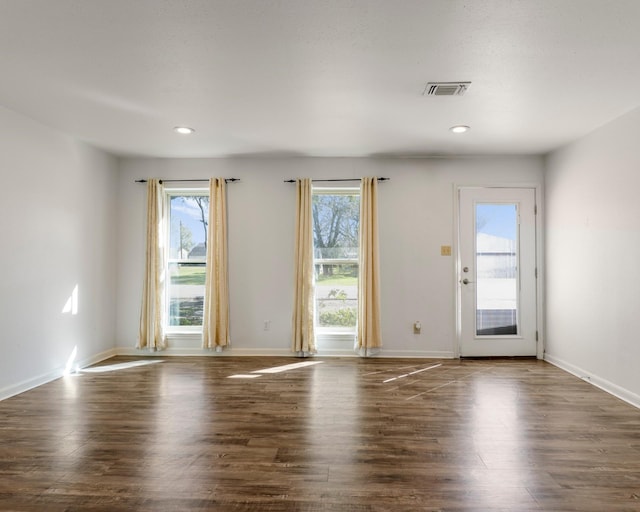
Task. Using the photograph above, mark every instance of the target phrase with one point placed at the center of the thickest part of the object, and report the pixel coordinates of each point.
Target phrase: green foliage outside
(186, 311)
(189, 275)
(336, 219)
(337, 280)
(337, 274)
(344, 317)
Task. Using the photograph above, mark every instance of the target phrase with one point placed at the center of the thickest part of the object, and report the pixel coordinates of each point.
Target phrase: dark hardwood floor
(340, 435)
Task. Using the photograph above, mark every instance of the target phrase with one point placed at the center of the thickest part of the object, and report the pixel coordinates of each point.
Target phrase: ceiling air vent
(446, 88)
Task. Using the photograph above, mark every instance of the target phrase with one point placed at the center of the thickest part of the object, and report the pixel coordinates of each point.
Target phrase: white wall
(593, 257)
(57, 231)
(416, 218)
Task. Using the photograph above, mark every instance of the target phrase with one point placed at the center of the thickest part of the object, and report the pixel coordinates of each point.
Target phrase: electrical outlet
(417, 327)
(267, 325)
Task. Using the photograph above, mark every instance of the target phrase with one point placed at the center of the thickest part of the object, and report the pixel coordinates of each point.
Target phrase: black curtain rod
(342, 179)
(227, 180)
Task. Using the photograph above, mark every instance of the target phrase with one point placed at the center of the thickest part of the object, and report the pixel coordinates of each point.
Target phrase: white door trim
(540, 289)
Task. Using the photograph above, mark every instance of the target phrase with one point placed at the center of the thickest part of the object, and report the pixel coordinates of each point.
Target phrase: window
(336, 222)
(188, 213)
(496, 269)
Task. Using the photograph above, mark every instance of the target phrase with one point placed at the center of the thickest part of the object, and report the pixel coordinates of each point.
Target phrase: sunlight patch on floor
(411, 373)
(118, 366)
(287, 367)
(275, 369)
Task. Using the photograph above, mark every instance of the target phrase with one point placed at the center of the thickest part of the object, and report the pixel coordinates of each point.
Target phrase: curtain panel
(152, 329)
(303, 336)
(215, 321)
(369, 338)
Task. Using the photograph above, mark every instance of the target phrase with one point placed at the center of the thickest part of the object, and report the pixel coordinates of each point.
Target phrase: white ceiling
(320, 77)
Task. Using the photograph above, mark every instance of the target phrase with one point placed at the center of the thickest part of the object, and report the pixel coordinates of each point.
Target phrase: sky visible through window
(497, 220)
(185, 210)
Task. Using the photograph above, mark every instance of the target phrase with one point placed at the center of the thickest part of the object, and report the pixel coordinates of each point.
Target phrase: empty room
(304, 255)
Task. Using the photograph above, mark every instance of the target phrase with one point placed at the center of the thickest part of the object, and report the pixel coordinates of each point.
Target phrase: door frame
(539, 252)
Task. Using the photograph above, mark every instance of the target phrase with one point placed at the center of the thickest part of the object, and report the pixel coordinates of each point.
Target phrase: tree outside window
(186, 262)
(336, 222)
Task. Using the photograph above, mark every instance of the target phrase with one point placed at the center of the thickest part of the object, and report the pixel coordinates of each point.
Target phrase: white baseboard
(603, 384)
(417, 354)
(201, 352)
(98, 357)
(39, 380)
(26, 385)
(34, 382)
(277, 352)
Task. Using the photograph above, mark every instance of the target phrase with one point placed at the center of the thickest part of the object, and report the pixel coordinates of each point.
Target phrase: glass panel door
(497, 272)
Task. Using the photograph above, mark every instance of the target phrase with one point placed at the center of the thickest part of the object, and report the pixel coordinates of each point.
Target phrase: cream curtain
(369, 339)
(303, 338)
(215, 322)
(151, 333)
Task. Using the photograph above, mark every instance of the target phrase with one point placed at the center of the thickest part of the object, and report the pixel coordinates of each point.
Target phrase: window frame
(334, 333)
(177, 332)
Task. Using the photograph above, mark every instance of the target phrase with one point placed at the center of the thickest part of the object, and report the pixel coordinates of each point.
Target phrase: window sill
(335, 339)
(188, 338)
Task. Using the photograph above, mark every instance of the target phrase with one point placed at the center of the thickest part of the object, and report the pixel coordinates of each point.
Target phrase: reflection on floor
(344, 435)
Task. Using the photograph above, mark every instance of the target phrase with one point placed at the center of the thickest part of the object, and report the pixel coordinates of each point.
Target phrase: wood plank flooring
(357, 435)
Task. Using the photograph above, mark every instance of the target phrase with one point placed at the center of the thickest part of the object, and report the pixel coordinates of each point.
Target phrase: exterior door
(497, 272)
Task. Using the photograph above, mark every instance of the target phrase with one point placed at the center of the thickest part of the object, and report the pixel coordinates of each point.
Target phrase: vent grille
(446, 88)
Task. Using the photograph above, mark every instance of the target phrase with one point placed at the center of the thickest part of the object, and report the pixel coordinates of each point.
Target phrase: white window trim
(335, 337)
(178, 332)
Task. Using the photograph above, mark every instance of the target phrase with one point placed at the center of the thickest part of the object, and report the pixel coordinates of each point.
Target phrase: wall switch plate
(417, 327)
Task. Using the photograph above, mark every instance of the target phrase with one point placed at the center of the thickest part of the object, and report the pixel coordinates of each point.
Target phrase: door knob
(466, 281)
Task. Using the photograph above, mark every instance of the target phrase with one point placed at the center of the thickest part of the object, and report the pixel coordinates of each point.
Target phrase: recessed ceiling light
(459, 128)
(183, 130)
